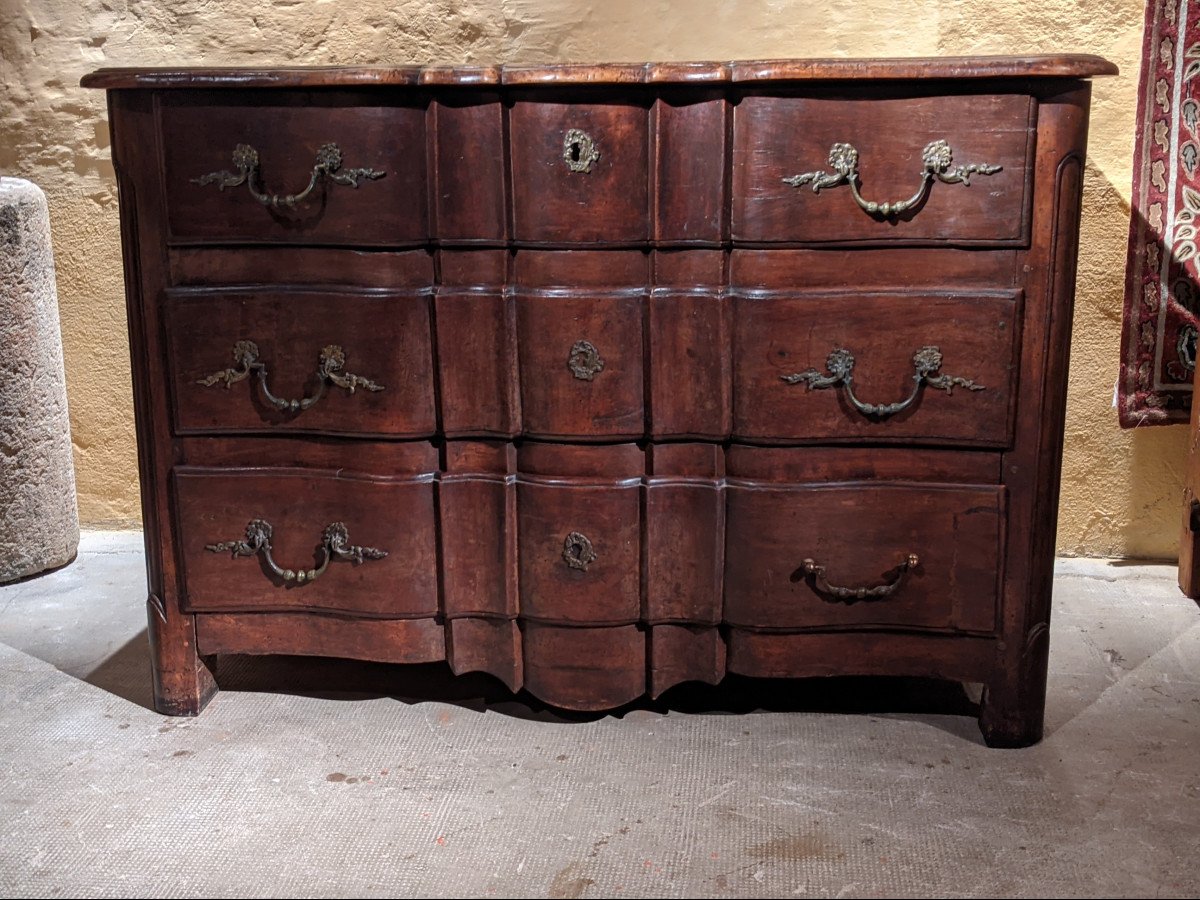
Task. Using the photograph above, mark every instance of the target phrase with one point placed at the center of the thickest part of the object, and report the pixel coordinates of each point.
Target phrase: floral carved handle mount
(936, 160)
(328, 166)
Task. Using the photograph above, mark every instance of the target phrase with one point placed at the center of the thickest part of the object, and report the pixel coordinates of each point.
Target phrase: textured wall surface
(1121, 490)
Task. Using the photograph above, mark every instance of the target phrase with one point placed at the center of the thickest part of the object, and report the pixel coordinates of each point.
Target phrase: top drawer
(580, 171)
(238, 168)
(933, 154)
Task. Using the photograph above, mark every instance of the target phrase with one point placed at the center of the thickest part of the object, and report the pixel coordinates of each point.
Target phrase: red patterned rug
(1162, 297)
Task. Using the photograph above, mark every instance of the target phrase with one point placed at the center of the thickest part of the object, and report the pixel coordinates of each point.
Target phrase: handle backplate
(328, 166)
(936, 160)
(335, 544)
(331, 369)
(927, 362)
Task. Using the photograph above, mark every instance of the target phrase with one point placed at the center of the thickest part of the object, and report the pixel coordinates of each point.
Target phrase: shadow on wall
(1158, 459)
(1121, 488)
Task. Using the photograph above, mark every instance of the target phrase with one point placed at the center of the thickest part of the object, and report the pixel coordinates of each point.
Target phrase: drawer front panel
(284, 134)
(790, 350)
(383, 339)
(579, 551)
(882, 145)
(685, 542)
(689, 363)
(580, 172)
(394, 516)
(861, 536)
(581, 365)
(477, 362)
(478, 546)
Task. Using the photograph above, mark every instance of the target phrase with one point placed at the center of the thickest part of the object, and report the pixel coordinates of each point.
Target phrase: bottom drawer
(860, 555)
(298, 539)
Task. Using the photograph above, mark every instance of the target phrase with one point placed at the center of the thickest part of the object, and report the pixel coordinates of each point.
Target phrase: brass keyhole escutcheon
(578, 552)
(584, 360)
(579, 150)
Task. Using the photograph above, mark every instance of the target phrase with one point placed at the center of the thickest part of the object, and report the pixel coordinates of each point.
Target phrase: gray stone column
(39, 521)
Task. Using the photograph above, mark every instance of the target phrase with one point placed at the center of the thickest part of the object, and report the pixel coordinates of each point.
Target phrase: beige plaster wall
(1120, 490)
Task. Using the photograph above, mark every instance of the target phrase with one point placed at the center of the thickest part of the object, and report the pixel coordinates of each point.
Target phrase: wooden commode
(605, 378)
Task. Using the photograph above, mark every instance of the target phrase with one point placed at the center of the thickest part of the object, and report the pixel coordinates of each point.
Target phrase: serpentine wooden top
(975, 67)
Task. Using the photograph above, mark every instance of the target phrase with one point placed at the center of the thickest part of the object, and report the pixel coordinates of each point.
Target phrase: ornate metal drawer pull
(335, 544)
(330, 369)
(578, 552)
(926, 362)
(579, 151)
(936, 159)
(853, 595)
(327, 166)
(584, 361)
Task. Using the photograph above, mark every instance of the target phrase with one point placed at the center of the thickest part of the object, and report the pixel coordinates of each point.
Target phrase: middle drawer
(333, 361)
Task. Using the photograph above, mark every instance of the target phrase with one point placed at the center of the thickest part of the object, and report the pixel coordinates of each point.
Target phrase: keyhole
(575, 150)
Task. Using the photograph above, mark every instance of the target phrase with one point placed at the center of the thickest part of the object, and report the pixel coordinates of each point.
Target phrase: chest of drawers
(603, 379)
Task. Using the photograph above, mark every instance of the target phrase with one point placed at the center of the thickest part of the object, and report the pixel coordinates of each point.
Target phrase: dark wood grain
(487, 645)
(393, 515)
(680, 653)
(553, 203)
(338, 266)
(684, 536)
(690, 363)
(556, 402)
(765, 655)
(585, 668)
(461, 281)
(1014, 701)
(469, 199)
(297, 634)
(608, 590)
(866, 268)
(1063, 65)
(775, 137)
(385, 338)
(817, 464)
(689, 159)
(782, 336)
(477, 362)
(478, 505)
(287, 130)
(861, 534)
(373, 458)
(183, 681)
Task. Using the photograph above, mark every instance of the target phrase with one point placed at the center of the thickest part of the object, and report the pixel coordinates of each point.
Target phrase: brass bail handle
(335, 544)
(328, 166)
(927, 364)
(936, 160)
(331, 365)
(853, 594)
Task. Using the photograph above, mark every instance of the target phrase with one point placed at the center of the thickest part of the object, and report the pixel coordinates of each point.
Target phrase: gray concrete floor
(330, 778)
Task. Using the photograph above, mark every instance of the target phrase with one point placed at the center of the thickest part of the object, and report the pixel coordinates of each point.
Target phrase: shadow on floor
(127, 674)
